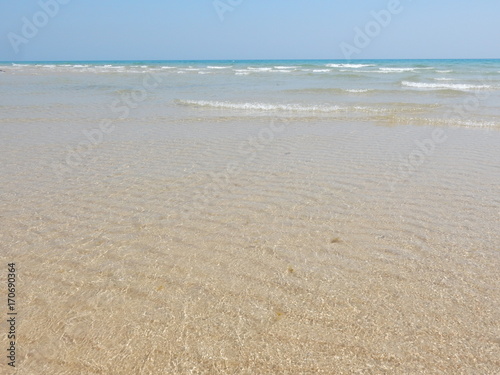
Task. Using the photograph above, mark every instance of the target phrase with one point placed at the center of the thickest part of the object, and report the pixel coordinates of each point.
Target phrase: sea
(458, 93)
(252, 217)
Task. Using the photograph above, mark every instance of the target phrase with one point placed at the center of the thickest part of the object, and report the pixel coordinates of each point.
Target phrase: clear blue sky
(254, 29)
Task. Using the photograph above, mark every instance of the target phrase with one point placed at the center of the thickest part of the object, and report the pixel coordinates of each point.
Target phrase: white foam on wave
(397, 70)
(262, 106)
(444, 71)
(443, 79)
(218, 67)
(285, 67)
(455, 122)
(321, 70)
(260, 69)
(477, 124)
(352, 66)
(106, 67)
(358, 71)
(460, 123)
(446, 86)
(357, 91)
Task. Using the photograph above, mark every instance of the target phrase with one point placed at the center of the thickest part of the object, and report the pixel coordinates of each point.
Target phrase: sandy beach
(258, 245)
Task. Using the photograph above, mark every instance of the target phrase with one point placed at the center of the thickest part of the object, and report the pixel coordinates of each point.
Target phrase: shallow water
(446, 92)
(201, 238)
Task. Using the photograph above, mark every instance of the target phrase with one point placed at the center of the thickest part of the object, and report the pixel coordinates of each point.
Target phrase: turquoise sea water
(462, 93)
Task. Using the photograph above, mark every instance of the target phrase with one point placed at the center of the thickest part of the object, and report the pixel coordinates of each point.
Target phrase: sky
(79, 30)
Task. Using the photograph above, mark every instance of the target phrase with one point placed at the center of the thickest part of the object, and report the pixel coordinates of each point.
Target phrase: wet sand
(253, 248)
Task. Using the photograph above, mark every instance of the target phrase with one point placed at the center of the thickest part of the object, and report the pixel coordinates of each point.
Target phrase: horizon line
(280, 59)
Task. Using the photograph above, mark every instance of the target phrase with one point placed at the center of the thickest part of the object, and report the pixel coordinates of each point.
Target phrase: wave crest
(445, 86)
(262, 106)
